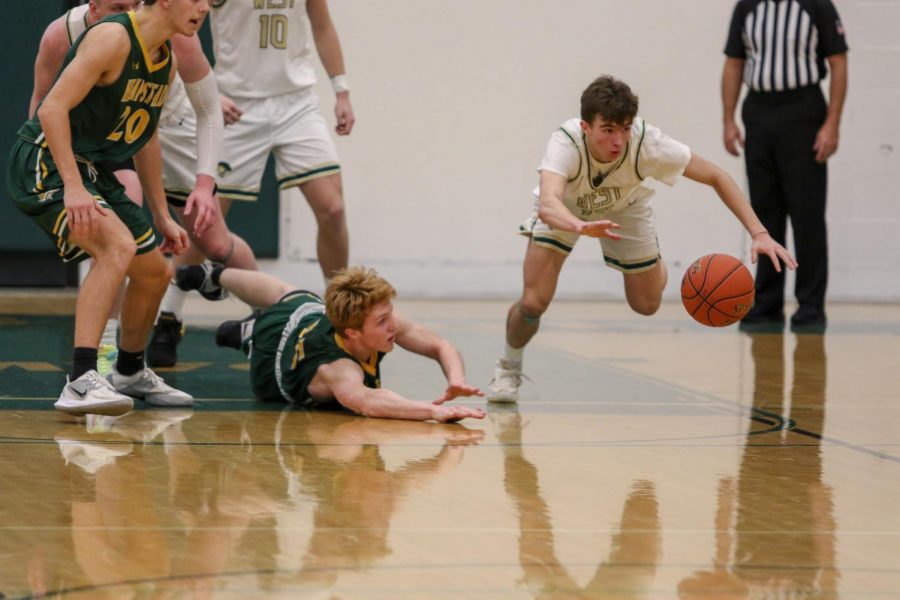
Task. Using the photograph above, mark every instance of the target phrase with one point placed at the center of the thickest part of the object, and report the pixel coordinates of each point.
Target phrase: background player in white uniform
(263, 64)
(190, 134)
(595, 170)
(263, 69)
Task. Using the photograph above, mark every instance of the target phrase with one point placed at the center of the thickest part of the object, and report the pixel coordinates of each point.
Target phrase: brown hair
(609, 98)
(352, 293)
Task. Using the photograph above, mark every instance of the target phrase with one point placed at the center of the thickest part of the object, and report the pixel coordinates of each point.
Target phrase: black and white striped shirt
(784, 43)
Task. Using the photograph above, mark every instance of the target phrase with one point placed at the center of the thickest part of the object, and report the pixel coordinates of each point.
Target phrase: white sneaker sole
(172, 402)
(112, 408)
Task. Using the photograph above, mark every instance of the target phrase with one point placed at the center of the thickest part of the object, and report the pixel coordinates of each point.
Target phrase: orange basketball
(717, 290)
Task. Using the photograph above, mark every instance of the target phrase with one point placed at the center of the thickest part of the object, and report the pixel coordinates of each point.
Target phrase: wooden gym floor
(648, 458)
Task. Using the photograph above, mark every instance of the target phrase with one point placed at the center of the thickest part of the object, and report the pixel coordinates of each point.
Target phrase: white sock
(173, 301)
(110, 333)
(513, 355)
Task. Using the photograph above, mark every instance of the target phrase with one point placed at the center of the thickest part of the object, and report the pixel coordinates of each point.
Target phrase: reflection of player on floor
(793, 556)
(58, 177)
(594, 170)
(312, 353)
(635, 549)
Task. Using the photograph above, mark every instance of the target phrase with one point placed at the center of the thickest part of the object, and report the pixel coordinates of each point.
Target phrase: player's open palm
(452, 414)
(763, 244)
(455, 390)
(600, 229)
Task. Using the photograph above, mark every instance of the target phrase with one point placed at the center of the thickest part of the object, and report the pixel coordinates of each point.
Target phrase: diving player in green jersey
(313, 353)
(105, 106)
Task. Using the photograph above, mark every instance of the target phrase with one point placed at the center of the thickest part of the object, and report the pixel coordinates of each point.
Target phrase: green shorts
(273, 325)
(37, 190)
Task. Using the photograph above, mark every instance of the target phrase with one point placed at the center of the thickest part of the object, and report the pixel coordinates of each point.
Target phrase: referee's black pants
(786, 182)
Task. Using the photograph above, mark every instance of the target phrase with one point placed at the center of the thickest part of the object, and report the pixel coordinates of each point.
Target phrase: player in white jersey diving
(594, 183)
(263, 54)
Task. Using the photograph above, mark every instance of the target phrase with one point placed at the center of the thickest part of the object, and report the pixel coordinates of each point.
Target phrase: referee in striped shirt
(782, 50)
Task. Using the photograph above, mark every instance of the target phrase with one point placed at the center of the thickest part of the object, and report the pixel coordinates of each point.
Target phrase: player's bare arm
(343, 380)
(99, 61)
(148, 164)
(732, 73)
(425, 342)
(51, 53)
(328, 47)
(702, 171)
(827, 138)
(200, 85)
(553, 211)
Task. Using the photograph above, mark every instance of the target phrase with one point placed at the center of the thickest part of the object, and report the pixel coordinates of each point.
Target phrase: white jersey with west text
(594, 189)
(262, 47)
(76, 22)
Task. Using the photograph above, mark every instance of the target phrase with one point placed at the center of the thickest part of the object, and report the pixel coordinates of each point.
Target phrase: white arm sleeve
(204, 97)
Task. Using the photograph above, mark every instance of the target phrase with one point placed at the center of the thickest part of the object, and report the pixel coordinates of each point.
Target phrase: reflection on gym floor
(643, 461)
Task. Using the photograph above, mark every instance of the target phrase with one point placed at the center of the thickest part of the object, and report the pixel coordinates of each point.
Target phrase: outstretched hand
(764, 244)
(599, 229)
(452, 414)
(456, 390)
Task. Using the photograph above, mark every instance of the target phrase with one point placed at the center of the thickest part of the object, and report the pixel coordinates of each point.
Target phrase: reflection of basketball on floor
(717, 290)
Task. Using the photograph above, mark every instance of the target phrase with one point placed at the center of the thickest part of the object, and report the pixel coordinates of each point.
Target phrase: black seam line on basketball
(687, 279)
(721, 279)
(712, 291)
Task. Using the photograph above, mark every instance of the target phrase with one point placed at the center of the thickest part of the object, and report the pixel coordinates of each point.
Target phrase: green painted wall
(27, 256)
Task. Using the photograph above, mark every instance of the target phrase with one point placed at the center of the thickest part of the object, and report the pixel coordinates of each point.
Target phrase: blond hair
(352, 293)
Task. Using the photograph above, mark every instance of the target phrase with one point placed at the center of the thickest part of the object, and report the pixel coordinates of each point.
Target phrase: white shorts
(637, 251)
(178, 138)
(290, 127)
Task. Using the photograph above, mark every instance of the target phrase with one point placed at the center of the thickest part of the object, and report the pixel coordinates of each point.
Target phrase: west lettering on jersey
(268, 4)
(145, 92)
(599, 200)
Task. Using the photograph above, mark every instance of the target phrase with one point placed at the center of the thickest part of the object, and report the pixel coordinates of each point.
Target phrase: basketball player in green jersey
(315, 354)
(105, 106)
(190, 133)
